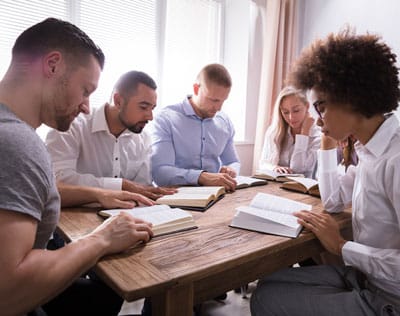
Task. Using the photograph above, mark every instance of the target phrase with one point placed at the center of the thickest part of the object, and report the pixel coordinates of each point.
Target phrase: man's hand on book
(121, 199)
(120, 233)
(218, 179)
(149, 191)
(230, 171)
(325, 228)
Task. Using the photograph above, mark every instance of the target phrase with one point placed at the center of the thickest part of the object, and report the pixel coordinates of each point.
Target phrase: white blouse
(373, 189)
(299, 153)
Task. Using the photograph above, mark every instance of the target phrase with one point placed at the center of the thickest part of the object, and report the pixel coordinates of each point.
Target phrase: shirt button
(116, 158)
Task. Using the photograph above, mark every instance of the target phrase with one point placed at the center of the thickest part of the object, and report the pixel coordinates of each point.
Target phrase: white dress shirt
(299, 153)
(88, 154)
(373, 189)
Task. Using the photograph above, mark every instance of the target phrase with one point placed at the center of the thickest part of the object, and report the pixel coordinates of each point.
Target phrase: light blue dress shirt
(184, 145)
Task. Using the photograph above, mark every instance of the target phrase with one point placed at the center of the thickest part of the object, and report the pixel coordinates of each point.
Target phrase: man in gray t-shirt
(27, 183)
(54, 69)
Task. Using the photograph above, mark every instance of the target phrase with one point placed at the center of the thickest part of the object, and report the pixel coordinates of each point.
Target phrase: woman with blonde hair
(292, 140)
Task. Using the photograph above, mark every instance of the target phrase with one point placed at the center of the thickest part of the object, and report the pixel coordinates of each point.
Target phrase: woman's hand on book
(324, 226)
(281, 169)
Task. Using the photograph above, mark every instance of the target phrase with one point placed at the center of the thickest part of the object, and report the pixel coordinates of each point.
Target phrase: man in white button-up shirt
(354, 83)
(109, 148)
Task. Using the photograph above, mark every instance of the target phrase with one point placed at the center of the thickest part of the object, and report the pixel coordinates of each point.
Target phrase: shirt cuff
(112, 183)
(327, 160)
(193, 176)
(301, 141)
(351, 252)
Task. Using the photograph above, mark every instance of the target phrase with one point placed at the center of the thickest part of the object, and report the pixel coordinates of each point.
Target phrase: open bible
(270, 214)
(165, 219)
(275, 176)
(193, 198)
(304, 185)
(245, 182)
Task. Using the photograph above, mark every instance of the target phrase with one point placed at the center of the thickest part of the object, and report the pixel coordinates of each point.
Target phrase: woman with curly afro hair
(354, 87)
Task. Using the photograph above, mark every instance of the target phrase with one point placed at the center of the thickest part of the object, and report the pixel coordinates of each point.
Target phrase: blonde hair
(277, 131)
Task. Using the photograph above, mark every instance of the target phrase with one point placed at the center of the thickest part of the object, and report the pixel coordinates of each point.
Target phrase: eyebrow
(147, 103)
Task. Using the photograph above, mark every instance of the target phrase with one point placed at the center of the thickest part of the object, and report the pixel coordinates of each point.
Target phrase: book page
(204, 190)
(281, 218)
(275, 174)
(185, 197)
(278, 204)
(156, 214)
(307, 182)
(246, 180)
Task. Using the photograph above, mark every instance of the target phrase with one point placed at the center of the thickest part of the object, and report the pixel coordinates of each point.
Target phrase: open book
(245, 182)
(304, 185)
(270, 214)
(275, 176)
(165, 220)
(193, 198)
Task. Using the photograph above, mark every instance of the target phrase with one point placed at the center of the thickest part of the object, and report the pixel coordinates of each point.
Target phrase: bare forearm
(73, 195)
(44, 274)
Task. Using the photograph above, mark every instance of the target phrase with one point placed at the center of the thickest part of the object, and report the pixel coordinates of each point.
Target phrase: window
(168, 39)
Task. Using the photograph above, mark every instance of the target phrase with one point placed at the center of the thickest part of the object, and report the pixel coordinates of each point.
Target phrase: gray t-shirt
(27, 183)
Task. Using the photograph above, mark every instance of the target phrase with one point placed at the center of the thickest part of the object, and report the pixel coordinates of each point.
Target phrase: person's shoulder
(222, 116)
(169, 113)
(20, 142)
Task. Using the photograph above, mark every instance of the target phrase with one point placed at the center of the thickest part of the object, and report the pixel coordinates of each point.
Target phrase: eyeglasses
(317, 108)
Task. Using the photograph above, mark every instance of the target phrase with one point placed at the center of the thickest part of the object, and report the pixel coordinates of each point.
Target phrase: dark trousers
(320, 291)
(85, 297)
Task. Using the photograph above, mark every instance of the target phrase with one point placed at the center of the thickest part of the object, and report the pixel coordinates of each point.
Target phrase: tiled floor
(234, 305)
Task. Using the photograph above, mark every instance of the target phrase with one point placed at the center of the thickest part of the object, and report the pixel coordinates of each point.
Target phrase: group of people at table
(109, 157)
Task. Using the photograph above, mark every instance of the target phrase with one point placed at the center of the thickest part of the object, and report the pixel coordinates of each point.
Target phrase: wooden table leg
(178, 300)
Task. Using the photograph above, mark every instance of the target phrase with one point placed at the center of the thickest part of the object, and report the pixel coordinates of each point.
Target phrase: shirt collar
(99, 120)
(188, 108)
(379, 142)
(189, 111)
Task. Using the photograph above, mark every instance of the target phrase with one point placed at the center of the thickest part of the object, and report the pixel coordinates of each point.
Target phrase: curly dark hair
(357, 70)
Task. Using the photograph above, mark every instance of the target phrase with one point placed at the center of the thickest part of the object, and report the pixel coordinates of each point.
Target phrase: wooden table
(187, 268)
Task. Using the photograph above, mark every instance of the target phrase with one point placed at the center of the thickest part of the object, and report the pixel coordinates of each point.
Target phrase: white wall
(321, 17)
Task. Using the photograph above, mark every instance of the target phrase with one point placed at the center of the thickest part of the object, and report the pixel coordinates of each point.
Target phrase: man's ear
(196, 87)
(52, 63)
(118, 100)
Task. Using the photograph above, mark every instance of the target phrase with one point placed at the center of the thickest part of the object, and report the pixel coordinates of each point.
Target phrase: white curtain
(280, 38)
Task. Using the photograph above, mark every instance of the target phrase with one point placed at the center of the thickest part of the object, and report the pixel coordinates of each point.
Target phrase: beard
(134, 128)
(60, 99)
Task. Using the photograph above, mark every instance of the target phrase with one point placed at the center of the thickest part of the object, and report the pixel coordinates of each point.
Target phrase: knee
(258, 302)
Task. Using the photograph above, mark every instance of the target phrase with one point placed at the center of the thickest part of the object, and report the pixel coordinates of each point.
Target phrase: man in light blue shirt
(193, 140)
